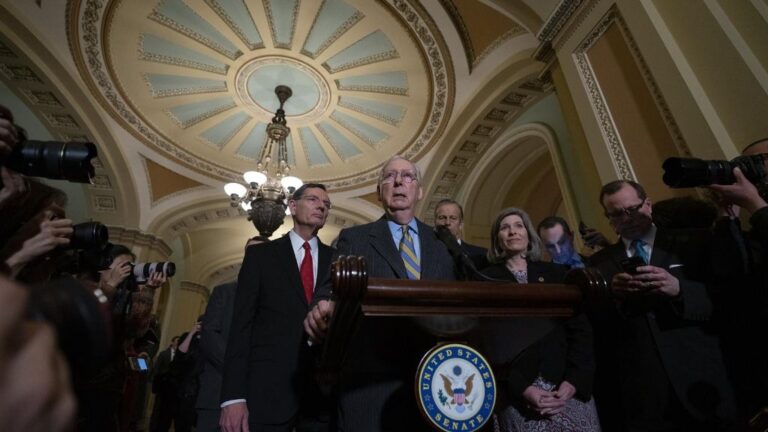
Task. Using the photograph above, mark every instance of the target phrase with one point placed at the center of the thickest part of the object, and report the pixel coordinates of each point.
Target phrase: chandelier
(267, 189)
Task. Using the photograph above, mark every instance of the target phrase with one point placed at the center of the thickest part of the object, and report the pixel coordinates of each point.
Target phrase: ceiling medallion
(256, 80)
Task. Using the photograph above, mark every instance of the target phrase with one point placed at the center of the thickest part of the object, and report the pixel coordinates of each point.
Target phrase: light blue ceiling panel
(291, 153)
(220, 134)
(178, 16)
(254, 142)
(395, 83)
(262, 82)
(312, 148)
(334, 18)
(386, 112)
(281, 15)
(343, 146)
(373, 48)
(192, 113)
(160, 50)
(367, 133)
(163, 85)
(236, 14)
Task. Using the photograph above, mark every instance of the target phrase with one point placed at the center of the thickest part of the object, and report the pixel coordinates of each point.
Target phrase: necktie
(639, 248)
(307, 275)
(408, 253)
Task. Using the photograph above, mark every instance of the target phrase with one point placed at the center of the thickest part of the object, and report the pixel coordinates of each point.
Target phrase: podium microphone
(459, 256)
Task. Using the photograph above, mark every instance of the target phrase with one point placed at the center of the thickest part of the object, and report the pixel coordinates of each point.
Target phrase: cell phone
(630, 265)
(138, 364)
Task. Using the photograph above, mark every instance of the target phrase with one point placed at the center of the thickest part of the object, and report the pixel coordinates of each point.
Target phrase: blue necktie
(408, 253)
(639, 247)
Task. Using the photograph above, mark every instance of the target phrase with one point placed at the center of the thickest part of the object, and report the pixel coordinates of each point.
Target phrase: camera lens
(689, 172)
(89, 235)
(54, 160)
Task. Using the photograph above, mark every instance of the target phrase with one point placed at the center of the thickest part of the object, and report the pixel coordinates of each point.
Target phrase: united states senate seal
(455, 388)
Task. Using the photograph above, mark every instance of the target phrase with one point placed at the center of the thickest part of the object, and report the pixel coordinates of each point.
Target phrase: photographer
(9, 136)
(741, 258)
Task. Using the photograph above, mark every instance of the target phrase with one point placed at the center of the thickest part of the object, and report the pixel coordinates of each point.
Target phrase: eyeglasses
(316, 201)
(629, 211)
(407, 177)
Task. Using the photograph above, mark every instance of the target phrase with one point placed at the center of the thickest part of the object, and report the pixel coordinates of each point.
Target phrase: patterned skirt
(577, 416)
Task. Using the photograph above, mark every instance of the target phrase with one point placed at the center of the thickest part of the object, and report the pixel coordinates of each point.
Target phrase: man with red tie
(267, 365)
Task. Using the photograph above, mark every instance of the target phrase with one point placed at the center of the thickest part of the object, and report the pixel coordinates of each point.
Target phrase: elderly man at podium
(376, 392)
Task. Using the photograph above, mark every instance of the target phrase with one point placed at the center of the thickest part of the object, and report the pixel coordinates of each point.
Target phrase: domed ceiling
(195, 80)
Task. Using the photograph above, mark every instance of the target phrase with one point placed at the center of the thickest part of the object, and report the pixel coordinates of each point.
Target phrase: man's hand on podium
(316, 322)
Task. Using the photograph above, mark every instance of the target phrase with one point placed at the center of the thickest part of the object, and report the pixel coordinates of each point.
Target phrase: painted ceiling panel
(366, 132)
(237, 16)
(388, 83)
(291, 154)
(281, 15)
(343, 146)
(222, 132)
(178, 16)
(254, 142)
(159, 50)
(163, 85)
(335, 18)
(373, 48)
(312, 148)
(386, 112)
(164, 182)
(192, 113)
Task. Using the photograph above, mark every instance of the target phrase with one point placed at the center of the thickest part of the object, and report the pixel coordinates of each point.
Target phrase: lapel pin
(541, 278)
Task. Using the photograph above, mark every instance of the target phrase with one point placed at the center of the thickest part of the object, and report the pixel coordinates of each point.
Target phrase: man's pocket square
(671, 266)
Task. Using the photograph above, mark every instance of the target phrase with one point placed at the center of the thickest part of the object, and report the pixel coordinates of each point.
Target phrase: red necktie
(307, 275)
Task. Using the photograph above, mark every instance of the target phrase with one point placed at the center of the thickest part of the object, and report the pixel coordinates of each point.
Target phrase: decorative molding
(192, 34)
(135, 237)
(104, 203)
(17, 72)
(177, 61)
(608, 129)
(213, 4)
(195, 288)
(557, 19)
(343, 28)
(223, 274)
(270, 19)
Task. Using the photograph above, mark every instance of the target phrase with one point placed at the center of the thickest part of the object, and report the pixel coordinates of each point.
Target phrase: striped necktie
(408, 253)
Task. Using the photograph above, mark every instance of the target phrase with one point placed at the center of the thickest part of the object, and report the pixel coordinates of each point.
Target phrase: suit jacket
(213, 343)
(267, 359)
(565, 353)
(644, 343)
(371, 349)
(477, 254)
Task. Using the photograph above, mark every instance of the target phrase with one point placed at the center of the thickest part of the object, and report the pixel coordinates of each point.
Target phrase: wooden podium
(356, 295)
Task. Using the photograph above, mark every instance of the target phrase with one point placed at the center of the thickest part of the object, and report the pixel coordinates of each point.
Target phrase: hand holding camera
(118, 271)
(741, 193)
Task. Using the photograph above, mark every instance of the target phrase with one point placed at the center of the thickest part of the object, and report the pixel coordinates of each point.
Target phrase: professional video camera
(690, 172)
(53, 159)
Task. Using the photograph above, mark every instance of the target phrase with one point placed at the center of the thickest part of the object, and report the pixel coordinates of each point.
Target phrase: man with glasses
(658, 368)
(376, 391)
(267, 375)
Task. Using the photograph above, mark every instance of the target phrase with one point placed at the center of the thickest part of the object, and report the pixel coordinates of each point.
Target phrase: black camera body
(690, 172)
(54, 160)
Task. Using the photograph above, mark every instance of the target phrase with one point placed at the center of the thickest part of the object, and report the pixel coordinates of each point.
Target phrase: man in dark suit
(658, 366)
(164, 386)
(267, 364)
(558, 239)
(450, 214)
(376, 389)
(213, 345)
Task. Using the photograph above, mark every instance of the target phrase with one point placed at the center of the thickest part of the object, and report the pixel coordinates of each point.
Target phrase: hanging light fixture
(267, 189)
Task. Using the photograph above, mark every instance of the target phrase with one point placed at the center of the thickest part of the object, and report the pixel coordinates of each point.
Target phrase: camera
(54, 160)
(89, 235)
(141, 271)
(690, 172)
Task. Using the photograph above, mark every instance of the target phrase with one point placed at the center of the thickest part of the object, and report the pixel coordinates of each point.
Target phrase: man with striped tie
(658, 367)
(376, 388)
